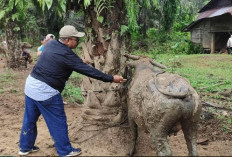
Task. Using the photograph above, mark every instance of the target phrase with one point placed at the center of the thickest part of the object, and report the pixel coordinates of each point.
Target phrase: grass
(72, 91)
(1, 91)
(226, 123)
(209, 72)
(6, 78)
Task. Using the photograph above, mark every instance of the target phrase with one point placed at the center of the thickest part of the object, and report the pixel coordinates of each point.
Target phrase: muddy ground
(109, 142)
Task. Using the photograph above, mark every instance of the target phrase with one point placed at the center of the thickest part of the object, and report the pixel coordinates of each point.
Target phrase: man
(44, 85)
(26, 52)
(40, 48)
(229, 45)
(44, 40)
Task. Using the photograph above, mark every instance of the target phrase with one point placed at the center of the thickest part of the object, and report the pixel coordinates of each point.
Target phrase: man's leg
(228, 50)
(29, 130)
(54, 115)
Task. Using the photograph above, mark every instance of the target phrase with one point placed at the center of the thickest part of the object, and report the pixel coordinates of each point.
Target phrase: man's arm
(79, 66)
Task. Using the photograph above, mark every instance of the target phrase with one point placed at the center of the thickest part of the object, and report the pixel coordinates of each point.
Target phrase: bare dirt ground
(108, 142)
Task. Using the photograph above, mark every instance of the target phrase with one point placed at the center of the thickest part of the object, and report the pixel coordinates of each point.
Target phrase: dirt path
(110, 142)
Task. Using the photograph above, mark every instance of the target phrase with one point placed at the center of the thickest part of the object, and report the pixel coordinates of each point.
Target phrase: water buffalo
(162, 103)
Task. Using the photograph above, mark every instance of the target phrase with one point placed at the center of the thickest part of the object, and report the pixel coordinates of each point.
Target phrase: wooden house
(213, 26)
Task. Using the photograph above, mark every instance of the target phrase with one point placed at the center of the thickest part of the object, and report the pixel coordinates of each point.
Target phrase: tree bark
(104, 47)
(13, 51)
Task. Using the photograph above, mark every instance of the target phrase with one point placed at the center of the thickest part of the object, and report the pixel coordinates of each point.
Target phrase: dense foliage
(159, 21)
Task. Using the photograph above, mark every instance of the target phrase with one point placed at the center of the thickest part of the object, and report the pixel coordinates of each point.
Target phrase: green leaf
(124, 29)
(100, 19)
(15, 16)
(16, 29)
(62, 5)
(40, 2)
(16, 2)
(20, 3)
(48, 3)
(132, 13)
(2, 14)
(11, 4)
(87, 3)
(44, 3)
(100, 5)
(90, 30)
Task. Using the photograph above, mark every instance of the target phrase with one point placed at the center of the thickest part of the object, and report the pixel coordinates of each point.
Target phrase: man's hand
(118, 79)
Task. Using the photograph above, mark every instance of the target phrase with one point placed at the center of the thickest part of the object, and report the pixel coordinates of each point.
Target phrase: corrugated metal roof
(209, 14)
(214, 12)
(216, 4)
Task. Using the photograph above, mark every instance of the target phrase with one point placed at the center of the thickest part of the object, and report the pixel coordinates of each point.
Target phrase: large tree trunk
(14, 50)
(104, 47)
(104, 102)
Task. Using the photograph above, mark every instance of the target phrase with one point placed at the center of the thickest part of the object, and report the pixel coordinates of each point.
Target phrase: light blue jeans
(53, 112)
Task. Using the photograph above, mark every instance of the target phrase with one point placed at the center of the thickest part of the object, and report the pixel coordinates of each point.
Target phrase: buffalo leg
(134, 131)
(160, 131)
(159, 138)
(190, 133)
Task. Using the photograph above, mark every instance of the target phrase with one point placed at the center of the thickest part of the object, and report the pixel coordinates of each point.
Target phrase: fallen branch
(79, 142)
(209, 104)
(203, 142)
(134, 57)
(221, 96)
(218, 84)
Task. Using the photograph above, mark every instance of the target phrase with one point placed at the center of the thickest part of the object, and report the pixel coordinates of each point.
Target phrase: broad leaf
(2, 14)
(11, 4)
(100, 19)
(124, 29)
(87, 3)
(16, 29)
(49, 3)
(15, 16)
(62, 5)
